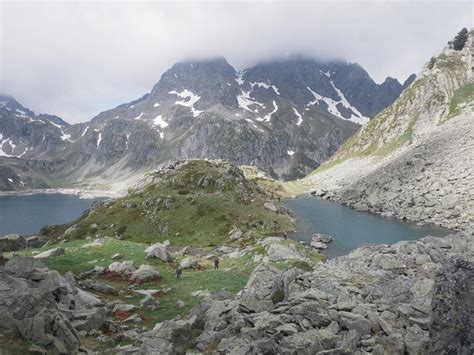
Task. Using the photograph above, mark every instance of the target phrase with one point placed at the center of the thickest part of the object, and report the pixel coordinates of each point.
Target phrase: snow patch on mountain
(139, 116)
(55, 124)
(300, 118)
(291, 152)
(266, 86)
(12, 145)
(240, 78)
(156, 104)
(99, 139)
(269, 116)
(85, 131)
(158, 121)
(190, 100)
(65, 137)
(356, 116)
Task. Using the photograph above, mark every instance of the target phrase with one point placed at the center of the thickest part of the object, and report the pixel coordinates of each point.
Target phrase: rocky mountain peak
(10, 104)
(409, 80)
(212, 80)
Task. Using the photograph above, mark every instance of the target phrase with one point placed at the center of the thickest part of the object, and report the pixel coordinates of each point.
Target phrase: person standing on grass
(216, 263)
(178, 272)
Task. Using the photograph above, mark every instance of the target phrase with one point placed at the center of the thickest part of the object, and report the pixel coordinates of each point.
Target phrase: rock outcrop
(395, 299)
(46, 308)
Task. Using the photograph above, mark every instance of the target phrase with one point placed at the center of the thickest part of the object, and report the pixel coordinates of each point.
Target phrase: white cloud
(77, 59)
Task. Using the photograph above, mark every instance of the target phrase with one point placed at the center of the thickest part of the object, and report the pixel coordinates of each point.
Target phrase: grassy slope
(198, 216)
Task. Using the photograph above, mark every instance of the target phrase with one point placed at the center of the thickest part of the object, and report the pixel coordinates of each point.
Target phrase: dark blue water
(27, 214)
(351, 229)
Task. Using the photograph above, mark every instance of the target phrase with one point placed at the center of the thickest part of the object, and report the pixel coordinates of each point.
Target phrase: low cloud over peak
(74, 60)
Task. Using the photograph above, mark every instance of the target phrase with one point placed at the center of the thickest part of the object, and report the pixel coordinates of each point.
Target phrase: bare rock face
(452, 321)
(44, 307)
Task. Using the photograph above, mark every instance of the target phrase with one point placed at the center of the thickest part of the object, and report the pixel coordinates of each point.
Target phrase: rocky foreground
(412, 297)
(45, 308)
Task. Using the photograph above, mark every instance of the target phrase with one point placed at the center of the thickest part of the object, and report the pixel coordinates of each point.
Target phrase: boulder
(321, 238)
(88, 319)
(282, 251)
(33, 241)
(122, 307)
(117, 256)
(149, 302)
(50, 253)
(189, 263)
(318, 245)
(258, 292)
(270, 206)
(159, 251)
(145, 273)
(99, 287)
(124, 268)
(12, 242)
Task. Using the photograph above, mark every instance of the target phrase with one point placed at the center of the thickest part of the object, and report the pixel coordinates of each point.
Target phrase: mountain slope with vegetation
(413, 160)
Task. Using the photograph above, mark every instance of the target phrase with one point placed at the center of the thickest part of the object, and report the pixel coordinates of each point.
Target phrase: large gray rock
(99, 287)
(50, 253)
(452, 322)
(159, 251)
(124, 268)
(12, 242)
(145, 273)
(45, 307)
(283, 251)
(322, 238)
(188, 263)
(257, 294)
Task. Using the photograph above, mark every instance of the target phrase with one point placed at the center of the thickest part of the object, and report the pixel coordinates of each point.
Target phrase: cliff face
(414, 159)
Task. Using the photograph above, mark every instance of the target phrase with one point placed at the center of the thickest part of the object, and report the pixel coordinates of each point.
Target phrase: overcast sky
(75, 60)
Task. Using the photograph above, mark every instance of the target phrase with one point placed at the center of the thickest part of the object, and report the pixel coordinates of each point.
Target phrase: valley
(206, 249)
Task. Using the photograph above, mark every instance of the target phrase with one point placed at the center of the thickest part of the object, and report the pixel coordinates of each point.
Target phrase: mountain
(25, 134)
(414, 159)
(343, 89)
(284, 117)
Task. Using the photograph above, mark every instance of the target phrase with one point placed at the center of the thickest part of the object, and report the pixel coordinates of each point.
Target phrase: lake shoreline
(81, 193)
(362, 228)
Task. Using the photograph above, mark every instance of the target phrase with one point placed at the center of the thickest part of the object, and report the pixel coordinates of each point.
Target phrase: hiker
(178, 272)
(216, 263)
(285, 236)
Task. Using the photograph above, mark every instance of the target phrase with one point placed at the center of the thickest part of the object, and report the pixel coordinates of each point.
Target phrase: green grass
(198, 216)
(462, 95)
(232, 275)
